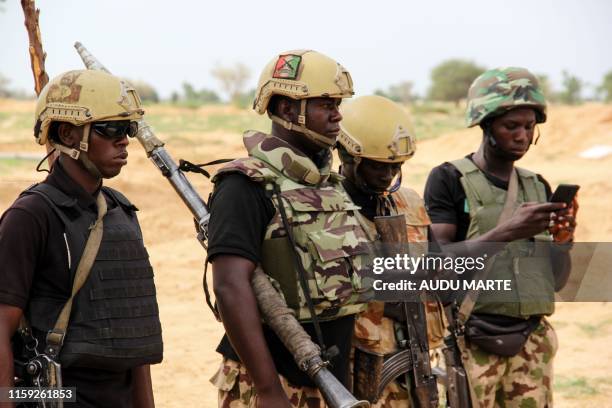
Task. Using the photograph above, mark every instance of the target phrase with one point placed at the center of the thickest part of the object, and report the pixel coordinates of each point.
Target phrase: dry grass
(191, 333)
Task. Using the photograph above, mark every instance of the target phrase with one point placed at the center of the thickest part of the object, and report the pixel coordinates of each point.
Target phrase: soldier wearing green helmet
(483, 197)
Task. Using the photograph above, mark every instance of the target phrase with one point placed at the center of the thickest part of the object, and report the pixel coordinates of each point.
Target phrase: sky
(166, 43)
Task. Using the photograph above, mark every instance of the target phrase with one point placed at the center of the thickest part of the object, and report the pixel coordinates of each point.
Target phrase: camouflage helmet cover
(501, 89)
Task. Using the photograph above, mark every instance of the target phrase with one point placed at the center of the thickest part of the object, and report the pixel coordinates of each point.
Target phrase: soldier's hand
(530, 219)
(563, 224)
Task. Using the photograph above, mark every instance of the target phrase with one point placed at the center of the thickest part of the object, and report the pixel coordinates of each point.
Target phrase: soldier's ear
(287, 109)
(68, 134)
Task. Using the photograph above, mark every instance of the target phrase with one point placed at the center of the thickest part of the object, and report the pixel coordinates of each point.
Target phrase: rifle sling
(55, 337)
(301, 273)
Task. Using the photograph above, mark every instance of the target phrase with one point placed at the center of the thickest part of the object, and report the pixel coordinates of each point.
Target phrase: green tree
(572, 89)
(382, 93)
(245, 99)
(233, 80)
(451, 79)
(5, 92)
(546, 87)
(605, 89)
(145, 90)
(196, 98)
(401, 92)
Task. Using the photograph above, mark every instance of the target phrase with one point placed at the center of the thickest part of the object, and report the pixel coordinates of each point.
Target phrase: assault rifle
(415, 357)
(457, 384)
(335, 394)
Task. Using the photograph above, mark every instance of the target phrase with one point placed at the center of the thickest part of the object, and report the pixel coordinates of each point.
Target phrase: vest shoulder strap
(464, 165)
(533, 188)
(120, 199)
(477, 188)
(254, 168)
(55, 198)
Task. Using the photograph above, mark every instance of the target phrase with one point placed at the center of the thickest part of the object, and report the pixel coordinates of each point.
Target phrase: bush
(451, 79)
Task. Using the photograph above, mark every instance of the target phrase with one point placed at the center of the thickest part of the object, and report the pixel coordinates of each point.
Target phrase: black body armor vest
(114, 323)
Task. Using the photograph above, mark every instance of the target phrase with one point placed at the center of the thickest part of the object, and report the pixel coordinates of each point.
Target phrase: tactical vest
(528, 267)
(375, 333)
(114, 323)
(330, 242)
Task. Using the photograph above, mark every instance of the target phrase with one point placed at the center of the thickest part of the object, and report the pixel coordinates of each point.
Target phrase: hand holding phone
(563, 226)
(565, 193)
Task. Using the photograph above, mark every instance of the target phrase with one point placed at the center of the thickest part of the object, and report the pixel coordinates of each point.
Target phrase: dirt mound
(191, 333)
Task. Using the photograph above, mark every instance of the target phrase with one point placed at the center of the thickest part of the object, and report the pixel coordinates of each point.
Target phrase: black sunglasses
(115, 129)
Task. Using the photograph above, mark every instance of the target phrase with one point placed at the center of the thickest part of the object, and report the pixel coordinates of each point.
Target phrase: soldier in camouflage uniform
(464, 199)
(283, 208)
(376, 139)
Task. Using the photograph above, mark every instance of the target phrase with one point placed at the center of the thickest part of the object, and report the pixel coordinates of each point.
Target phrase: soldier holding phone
(509, 347)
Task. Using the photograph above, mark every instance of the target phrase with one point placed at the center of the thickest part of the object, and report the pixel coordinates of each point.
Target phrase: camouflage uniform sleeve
(240, 211)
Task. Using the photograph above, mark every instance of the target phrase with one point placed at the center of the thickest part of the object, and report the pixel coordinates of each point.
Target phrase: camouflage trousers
(236, 390)
(521, 381)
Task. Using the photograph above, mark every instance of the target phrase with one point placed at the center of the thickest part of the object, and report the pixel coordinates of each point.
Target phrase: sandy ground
(191, 333)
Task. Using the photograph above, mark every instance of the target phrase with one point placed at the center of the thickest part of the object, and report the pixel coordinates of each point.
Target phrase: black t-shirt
(240, 211)
(446, 201)
(34, 262)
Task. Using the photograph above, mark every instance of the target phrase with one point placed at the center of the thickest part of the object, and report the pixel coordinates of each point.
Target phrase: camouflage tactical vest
(375, 333)
(527, 266)
(330, 242)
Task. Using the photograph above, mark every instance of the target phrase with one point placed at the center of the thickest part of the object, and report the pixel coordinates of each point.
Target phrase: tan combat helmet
(80, 98)
(376, 128)
(300, 75)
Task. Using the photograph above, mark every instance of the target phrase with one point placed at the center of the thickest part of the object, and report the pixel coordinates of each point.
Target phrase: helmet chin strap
(538, 136)
(80, 154)
(300, 127)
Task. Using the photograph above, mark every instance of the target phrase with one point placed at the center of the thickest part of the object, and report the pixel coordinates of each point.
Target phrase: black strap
(187, 166)
(39, 165)
(327, 354)
(212, 307)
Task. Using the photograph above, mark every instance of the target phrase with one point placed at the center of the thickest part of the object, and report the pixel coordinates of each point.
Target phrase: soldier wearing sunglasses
(113, 332)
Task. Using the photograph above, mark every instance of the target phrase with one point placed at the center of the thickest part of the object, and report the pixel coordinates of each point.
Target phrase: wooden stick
(37, 54)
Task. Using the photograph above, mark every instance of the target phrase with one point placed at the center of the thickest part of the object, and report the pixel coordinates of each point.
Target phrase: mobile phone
(565, 193)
